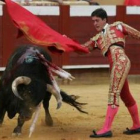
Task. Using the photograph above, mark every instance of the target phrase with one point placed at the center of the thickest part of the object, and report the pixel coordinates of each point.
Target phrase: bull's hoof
(17, 131)
(49, 122)
(16, 134)
(1, 123)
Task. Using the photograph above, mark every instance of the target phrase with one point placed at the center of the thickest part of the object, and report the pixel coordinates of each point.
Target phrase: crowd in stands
(73, 2)
(61, 2)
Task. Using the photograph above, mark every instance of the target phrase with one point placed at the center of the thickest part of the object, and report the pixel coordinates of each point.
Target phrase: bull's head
(26, 81)
(20, 80)
(53, 89)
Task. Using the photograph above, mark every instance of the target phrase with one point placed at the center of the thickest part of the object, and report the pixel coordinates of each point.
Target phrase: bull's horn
(20, 80)
(58, 97)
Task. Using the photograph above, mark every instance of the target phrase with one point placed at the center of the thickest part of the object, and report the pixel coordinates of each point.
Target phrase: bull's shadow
(26, 82)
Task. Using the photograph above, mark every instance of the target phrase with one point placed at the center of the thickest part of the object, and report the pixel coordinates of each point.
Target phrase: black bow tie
(103, 30)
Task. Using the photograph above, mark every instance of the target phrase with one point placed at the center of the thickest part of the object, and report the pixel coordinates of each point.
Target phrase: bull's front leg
(2, 114)
(48, 118)
(18, 128)
(2, 108)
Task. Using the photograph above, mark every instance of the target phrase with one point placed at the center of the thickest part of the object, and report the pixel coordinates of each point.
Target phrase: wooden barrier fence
(75, 22)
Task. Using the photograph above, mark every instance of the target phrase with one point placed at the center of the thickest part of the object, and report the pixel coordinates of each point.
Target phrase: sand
(69, 124)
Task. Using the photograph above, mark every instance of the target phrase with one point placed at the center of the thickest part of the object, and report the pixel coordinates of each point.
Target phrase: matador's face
(99, 23)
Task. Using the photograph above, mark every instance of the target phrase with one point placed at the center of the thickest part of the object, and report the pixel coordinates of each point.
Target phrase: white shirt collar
(106, 25)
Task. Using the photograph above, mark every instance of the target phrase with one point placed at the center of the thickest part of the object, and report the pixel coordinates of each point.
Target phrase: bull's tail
(71, 100)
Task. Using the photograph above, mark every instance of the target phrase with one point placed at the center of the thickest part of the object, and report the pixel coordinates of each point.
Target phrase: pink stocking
(133, 110)
(111, 112)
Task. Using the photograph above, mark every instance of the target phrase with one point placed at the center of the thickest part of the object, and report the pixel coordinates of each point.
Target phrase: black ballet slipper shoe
(95, 135)
(131, 132)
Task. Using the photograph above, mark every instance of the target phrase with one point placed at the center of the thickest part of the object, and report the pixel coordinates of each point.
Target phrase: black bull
(25, 63)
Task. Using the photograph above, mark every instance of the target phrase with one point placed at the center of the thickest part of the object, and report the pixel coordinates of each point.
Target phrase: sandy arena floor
(69, 124)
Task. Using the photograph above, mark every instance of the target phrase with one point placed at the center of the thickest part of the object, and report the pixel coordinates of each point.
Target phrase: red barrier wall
(76, 27)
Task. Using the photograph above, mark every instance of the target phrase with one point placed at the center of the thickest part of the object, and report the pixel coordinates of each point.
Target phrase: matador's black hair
(100, 12)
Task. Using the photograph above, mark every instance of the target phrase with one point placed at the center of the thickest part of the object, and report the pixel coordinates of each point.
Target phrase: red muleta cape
(39, 32)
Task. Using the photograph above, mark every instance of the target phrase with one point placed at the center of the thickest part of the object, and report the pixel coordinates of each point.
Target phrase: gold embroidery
(95, 37)
(107, 39)
(131, 31)
(116, 23)
(114, 35)
(112, 31)
(104, 41)
(119, 72)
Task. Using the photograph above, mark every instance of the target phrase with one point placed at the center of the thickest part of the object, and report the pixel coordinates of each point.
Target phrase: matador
(111, 41)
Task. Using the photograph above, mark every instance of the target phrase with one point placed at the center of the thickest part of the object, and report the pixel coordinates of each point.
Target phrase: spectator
(132, 2)
(92, 2)
(58, 1)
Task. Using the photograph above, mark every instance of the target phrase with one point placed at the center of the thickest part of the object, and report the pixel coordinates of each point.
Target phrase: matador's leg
(120, 65)
(119, 72)
(119, 84)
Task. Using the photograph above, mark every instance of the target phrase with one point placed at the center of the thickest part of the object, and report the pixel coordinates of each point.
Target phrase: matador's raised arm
(130, 31)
